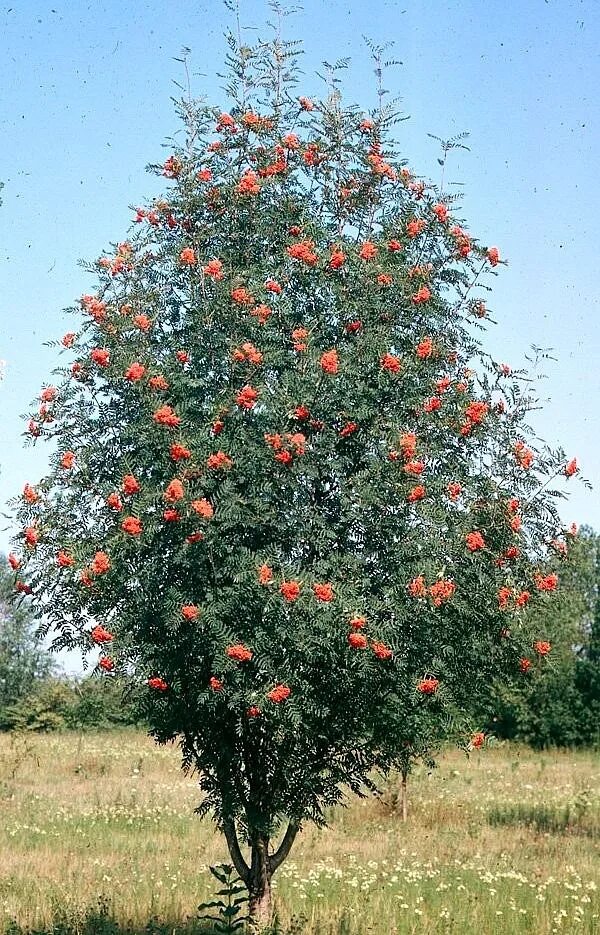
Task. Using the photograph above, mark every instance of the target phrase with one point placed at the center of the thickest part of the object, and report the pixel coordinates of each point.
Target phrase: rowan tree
(292, 497)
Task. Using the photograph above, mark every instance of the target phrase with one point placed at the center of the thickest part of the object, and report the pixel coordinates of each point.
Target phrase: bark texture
(404, 796)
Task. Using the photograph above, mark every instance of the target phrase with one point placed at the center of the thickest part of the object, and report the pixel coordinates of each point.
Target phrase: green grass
(98, 836)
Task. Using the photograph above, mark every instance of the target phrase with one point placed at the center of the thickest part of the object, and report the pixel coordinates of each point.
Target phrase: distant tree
(587, 669)
(100, 703)
(422, 732)
(23, 659)
(558, 703)
(44, 708)
(60, 703)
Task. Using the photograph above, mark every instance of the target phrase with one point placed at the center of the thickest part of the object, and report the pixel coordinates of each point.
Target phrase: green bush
(56, 704)
(23, 659)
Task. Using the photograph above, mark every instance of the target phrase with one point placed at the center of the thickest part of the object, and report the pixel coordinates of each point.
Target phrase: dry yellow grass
(111, 815)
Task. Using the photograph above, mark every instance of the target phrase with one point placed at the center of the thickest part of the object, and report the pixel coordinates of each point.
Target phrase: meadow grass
(98, 834)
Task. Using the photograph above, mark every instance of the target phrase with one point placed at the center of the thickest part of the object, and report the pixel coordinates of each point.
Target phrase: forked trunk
(259, 884)
(257, 876)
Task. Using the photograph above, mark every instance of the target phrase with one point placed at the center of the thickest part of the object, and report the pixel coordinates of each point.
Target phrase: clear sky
(85, 104)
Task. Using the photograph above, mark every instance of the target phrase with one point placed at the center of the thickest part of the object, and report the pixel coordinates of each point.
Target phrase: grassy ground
(507, 841)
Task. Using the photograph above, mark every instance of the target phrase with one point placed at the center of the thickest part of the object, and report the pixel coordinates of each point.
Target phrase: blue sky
(85, 104)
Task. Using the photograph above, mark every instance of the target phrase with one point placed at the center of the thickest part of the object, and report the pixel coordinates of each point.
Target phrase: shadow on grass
(98, 920)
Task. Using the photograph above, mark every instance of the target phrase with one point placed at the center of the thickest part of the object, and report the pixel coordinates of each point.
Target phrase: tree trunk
(404, 795)
(259, 884)
(257, 876)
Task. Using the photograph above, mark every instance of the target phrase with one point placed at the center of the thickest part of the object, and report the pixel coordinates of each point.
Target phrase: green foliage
(559, 704)
(227, 916)
(101, 703)
(43, 709)
(293, 498)
(23, 661)
(587, 669)
(547, 711)
(74, 704)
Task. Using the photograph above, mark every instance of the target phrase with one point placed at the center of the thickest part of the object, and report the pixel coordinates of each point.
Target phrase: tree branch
(285, 847)
(233, 846)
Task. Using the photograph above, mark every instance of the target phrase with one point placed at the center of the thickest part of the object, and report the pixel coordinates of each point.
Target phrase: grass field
(507, 841)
